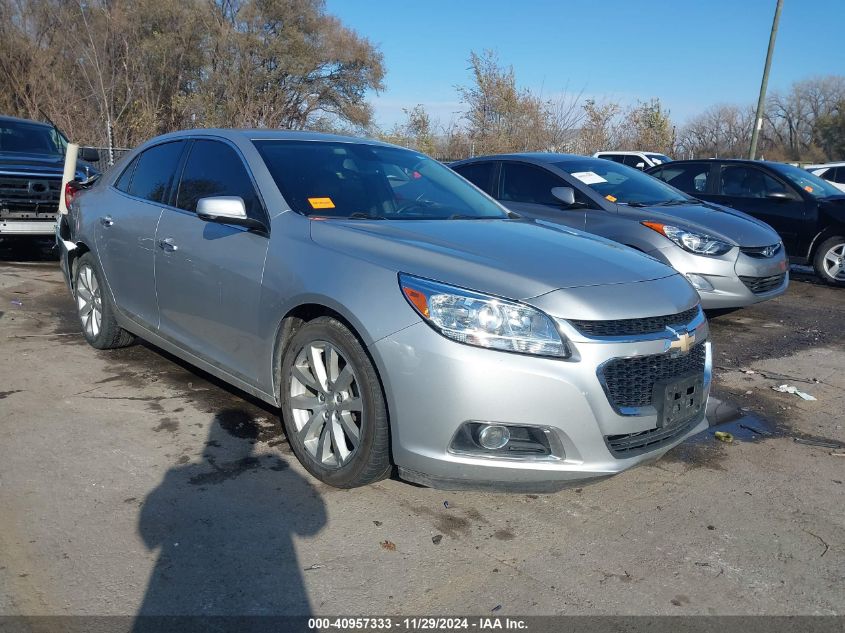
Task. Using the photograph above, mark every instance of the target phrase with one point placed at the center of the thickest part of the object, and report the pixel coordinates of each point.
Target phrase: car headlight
(698, 243)
(483, 320)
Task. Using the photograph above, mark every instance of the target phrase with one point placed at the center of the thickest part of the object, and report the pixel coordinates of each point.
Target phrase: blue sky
(690, 53)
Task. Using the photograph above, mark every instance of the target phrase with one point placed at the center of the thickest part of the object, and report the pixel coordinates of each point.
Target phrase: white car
(639, 160)
(834, 173)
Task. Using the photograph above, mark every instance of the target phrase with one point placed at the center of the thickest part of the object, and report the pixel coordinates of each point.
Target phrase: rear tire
(333, 406)
(95, 309)
(829, 261)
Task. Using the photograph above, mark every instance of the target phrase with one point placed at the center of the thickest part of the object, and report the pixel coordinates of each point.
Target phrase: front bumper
(434, 385)
(724, 273)
(24, 227)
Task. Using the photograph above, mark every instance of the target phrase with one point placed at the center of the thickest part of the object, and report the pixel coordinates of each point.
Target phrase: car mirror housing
(782, 196)
(89, 154)
(226, 210)
(565, 194)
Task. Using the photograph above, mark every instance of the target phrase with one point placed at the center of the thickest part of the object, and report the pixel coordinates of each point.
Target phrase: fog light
(698, 282)
(493, 436)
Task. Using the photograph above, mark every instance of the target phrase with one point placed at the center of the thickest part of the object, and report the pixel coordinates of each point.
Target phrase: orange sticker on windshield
(611, 198)
(321, 203)
(808, 189)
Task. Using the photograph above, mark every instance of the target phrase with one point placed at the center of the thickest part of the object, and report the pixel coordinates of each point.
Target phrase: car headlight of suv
(698, 243)
(483, 320)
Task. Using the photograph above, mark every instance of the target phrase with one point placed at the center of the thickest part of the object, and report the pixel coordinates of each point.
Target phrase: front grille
(629, 382)
(29, 194)
(633, 327)
(761, 252)
(760, 285)
(631, 444)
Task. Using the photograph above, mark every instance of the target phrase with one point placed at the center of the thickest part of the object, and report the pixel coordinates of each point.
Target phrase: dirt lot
(132, 483)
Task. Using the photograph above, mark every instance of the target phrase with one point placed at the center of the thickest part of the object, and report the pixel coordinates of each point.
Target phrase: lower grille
(760, 285)
(631, 444)
(629, 382)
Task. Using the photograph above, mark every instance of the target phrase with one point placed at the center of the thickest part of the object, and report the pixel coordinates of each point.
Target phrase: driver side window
(741, 181)
(527, 183)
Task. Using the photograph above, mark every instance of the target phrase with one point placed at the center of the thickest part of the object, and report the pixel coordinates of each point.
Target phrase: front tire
(95, 310)
(333, 406)
(829, 261)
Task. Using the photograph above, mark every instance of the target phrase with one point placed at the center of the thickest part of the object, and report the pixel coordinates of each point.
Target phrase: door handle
(106, 221)
(168, 245)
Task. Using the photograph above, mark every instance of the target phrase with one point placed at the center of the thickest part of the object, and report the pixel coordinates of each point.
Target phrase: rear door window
(155, 172)
(479, 174)
(122, 183)
(213, 169)
(689, 177)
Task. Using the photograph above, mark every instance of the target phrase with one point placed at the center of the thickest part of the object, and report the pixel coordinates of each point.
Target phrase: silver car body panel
(623, 224)
(219, 300)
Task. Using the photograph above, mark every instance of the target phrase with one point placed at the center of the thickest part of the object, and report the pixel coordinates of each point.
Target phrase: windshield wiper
(461, 216)
(360, 215)
(674, 203)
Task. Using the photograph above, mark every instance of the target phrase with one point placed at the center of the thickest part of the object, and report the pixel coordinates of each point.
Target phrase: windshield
(29, 138)
(812, 184)
(622, 184)
(659, 159)
(360, 181)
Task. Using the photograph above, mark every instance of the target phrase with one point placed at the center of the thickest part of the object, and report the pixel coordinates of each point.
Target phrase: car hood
(518, 259)
(47, 165)
(724, 223)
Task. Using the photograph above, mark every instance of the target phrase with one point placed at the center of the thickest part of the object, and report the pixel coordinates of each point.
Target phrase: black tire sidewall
(100, 340)
(374, 420)
(818, 260)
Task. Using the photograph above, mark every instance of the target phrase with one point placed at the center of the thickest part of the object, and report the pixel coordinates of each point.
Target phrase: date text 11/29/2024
(423, 623)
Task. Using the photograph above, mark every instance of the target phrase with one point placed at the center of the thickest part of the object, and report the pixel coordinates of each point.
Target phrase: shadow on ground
(223, 530)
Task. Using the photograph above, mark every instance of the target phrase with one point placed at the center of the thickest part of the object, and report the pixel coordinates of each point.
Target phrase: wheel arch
(828, 232)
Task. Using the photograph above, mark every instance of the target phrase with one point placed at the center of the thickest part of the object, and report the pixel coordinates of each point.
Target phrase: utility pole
(761, 102)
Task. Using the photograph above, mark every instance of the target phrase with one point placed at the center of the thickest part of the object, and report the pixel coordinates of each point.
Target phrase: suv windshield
(812, 184)
(30, 138)
(619, 183)
(361, 181)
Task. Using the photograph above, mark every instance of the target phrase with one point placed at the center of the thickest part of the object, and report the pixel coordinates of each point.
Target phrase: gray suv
(732, 259)
(396, 314)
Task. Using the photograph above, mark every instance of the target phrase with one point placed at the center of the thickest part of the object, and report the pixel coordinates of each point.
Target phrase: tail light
(71, 189)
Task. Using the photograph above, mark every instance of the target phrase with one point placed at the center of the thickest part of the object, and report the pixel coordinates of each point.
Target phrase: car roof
(531, 157)
(739, 161)
(250, 134)
(823, 165)
(628, 152)
(14, 119)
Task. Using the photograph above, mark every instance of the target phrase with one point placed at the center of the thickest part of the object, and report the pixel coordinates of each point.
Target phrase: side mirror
(781, 196)
(640, 166)
(565, 194)
(226, 210)
(89, 154)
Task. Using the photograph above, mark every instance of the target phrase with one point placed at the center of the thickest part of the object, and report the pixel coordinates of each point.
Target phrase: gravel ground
(132, 483)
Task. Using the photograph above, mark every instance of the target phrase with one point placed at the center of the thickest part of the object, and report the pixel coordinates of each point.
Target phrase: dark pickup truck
(32, 157)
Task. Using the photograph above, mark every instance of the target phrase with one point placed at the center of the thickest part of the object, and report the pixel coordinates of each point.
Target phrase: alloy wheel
(834, 262)
(326, 403)
(89, 301)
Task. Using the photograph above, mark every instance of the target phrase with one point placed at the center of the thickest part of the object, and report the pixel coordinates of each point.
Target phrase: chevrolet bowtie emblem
(682, 343)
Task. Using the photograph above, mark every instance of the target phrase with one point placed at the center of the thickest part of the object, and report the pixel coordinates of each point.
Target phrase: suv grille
(632, 444)
(629, 382)
(633, 327)
(31, 194)
(759, 285)
(761, 252)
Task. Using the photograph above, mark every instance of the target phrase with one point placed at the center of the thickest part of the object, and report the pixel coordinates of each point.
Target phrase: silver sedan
(732, 259)
(396, 315)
